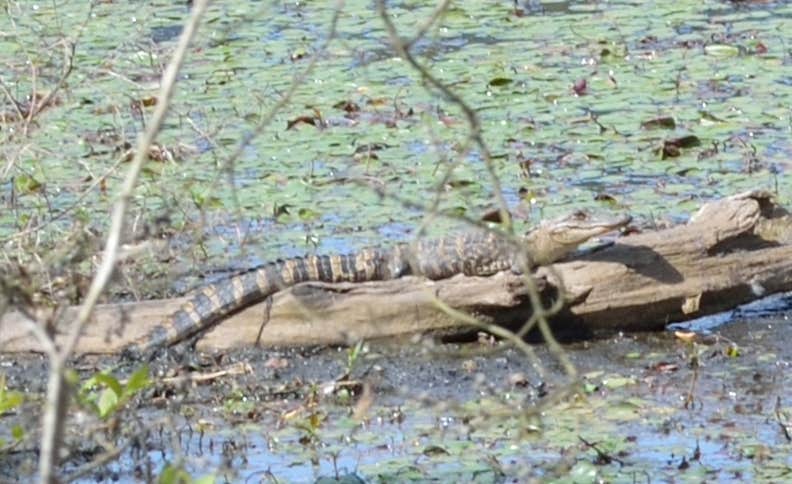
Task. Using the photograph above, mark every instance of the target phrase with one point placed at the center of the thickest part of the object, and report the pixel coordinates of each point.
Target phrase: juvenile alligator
(478, 252)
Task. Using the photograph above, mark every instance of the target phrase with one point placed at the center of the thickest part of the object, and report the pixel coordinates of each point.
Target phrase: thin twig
(68, 55)
(476, 135)
(57, 391)
(12, 100)
(68, 209)
(470, 114)
(441, 8)
(46, 342)
(240, 368)
(106, 457)
(268, 117)
(297, 81)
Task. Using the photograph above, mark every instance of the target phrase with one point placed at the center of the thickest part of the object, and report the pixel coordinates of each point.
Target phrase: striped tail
(214, 302)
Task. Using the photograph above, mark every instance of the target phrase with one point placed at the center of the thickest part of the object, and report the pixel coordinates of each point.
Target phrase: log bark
(732, 251)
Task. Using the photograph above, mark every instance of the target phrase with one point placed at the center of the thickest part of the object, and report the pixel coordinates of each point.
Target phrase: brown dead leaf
(580, 87)
(663, 122)
(665, 367)
(686, 336)
(276, 363)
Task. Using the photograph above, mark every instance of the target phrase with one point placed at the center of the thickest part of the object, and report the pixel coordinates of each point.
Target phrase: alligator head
(554, 239)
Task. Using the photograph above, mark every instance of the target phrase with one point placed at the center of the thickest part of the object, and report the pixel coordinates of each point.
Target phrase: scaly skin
(474, 253)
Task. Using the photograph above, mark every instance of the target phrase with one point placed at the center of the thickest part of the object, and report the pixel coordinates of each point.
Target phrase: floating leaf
(314, 119)
(210, 479)
(368, 147)
(721, 50)
(204, 201)
(617, 381)
(673, 147)
(146, 101)
(281, 211)
(458, 211)
(460, 183)
(172, 474)
(580, 87)
(493, 215)
(434, 450)
(708, 118)
(27, 184)
(688, 141)
(348, 106)
(379, 102)
(500, 81)
(298, 54)
(605, 197)
(310, 120)
(664, 122)
(307, 214)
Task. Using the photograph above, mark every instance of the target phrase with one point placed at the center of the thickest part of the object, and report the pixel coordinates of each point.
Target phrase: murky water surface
(574, 100)
(649, 404)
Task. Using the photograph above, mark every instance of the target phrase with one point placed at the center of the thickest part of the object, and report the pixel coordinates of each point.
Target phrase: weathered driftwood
(732, 251)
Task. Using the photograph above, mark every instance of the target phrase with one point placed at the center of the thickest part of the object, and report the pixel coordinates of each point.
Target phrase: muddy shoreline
(660, 402)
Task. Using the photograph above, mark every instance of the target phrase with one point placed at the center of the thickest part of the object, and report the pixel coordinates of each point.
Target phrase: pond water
(718, 70)
(649, 108)
(651, 405)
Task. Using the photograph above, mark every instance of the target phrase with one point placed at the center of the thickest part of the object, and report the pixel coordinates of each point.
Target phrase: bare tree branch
(541, 313)
(470, 113)
(57, 391)
(297, 81)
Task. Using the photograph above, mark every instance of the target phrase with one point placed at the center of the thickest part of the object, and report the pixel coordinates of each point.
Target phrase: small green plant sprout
(106, 394)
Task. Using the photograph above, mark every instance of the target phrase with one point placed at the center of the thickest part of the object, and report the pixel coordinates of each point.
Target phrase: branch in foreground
(57, 390)
(541, 314)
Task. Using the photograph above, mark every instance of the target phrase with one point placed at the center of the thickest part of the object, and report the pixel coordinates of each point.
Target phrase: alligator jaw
(553, 240)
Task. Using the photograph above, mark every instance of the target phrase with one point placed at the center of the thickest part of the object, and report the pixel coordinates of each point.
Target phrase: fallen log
(732, 251)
